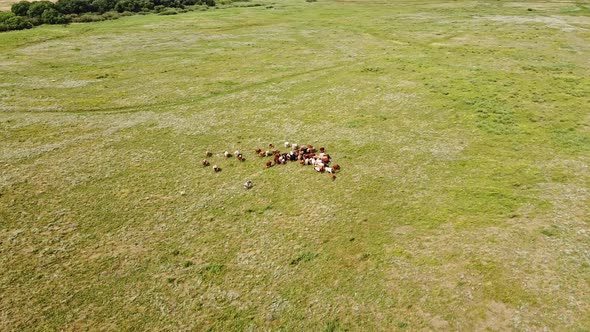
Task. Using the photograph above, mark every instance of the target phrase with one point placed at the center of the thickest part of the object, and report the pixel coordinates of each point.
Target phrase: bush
(25, 14)
(52, 16)
(35, 20)
(5, 15)
(193, 2)
(111, 15)
(20, 8)
(103, 6)
(9, 21)
(85, 18)
(37, 8)
(74, 6)
(169, 11)
(169, 3)
(134, 6)
(195, 8)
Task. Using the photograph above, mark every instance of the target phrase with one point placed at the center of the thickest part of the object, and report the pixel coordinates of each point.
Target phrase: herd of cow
(304, 154)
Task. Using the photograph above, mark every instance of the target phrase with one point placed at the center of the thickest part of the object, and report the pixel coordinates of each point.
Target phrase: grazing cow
(304, 154)
(258, 150)
(227, 154)
(205, 162)
(320, 169)
(240, 157)
(216, 169)
(236, 153)
(248, 184)
(283, 159)
(208, 154)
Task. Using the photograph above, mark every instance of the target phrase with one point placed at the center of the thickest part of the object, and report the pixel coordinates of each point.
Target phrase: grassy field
(462, 128)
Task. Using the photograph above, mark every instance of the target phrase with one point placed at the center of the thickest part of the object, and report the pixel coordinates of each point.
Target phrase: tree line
(25, 14)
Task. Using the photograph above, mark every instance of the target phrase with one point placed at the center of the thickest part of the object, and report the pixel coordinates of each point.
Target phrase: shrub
(194, 2)
(134, 5)
(52, 16)
(111, 15)
(20, 8)
(103, 6)
(37, 8)
(5, 15)
(74, 6)
(169, 3)
(84, 18)
(9, 21)
(169, 11)
(194, 8)
(65, 11)
(35, 20)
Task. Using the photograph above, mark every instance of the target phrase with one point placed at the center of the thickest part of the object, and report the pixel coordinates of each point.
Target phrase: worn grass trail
(462, 129)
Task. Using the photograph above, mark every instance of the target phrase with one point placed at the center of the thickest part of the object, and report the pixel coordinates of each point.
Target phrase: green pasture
(462, 129)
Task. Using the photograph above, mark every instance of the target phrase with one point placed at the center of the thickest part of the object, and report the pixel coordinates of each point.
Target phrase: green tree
(20, 8)
(74, 6)
(103, 6)
(5, 16)
(37, 8)
(133, 5)
(9, 21)
(52, 16)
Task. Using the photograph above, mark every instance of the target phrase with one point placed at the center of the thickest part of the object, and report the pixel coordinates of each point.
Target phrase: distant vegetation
(25, 14)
